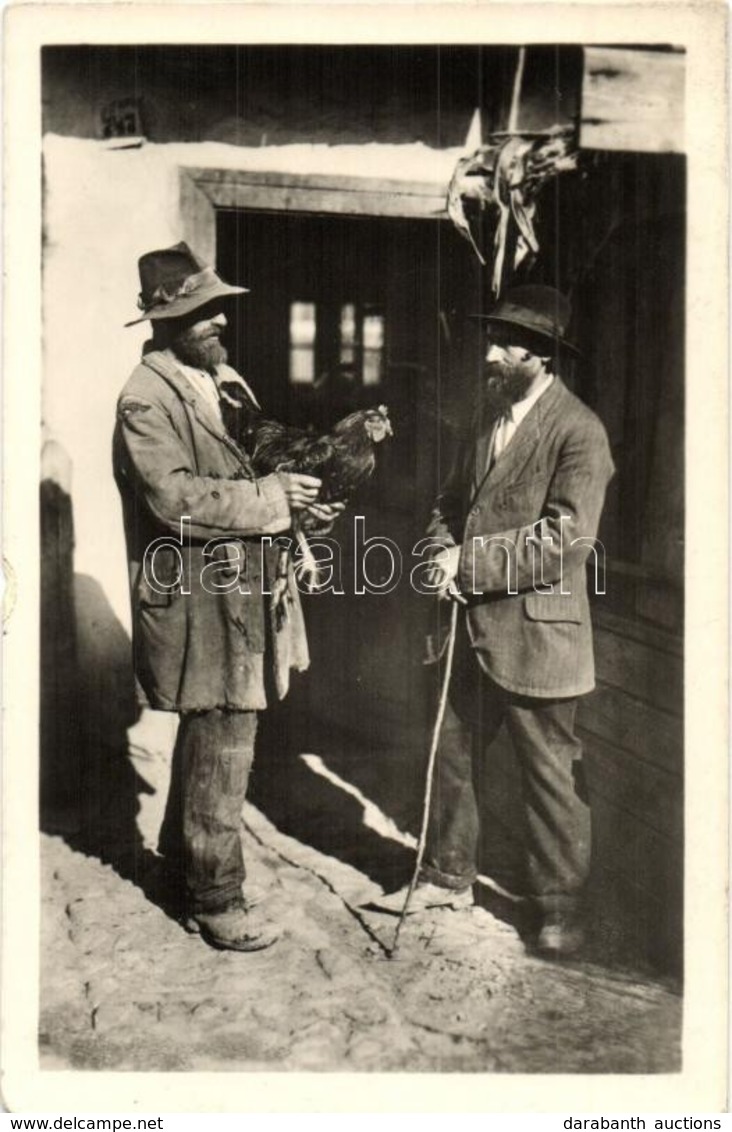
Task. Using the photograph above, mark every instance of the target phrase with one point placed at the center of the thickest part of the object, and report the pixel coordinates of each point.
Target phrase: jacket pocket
(553, 607)
(157, 584)
(224, 564)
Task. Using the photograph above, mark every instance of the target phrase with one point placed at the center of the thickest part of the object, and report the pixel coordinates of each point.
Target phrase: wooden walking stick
(430, 774)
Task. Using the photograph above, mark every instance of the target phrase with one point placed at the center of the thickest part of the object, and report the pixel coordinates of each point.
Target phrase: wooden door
(346, 312)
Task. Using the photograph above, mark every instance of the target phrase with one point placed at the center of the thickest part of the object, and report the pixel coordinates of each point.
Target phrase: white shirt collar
(519, 409)
(203, 383)
(193, 373)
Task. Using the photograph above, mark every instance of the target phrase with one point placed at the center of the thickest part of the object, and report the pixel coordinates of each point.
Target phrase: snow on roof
(412, 162)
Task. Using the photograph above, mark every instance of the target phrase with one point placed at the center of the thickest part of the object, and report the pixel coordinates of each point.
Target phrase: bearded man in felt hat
(206, 643)
(516, 520)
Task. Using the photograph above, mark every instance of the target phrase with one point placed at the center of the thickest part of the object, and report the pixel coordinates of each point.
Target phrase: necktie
(503, 433)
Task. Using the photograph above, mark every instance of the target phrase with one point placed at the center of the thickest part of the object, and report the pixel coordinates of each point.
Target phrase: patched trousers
(201, 832)
(557, 814)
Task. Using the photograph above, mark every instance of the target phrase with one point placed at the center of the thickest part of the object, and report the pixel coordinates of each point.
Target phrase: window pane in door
(348, 334)
(373, 348)
(303, 329)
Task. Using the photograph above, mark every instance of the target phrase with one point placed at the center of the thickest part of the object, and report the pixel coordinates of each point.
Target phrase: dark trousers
(557, 815)
(201, 831)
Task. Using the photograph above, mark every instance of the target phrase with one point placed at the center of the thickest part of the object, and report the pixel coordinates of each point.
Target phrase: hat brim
(184, 305)
(534, 331)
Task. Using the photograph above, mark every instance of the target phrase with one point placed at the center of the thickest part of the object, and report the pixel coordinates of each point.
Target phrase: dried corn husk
(507, 174)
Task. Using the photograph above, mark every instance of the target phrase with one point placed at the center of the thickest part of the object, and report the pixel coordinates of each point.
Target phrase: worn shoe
(424, 897)
(560, 937)
(252, 896)
(236, 929)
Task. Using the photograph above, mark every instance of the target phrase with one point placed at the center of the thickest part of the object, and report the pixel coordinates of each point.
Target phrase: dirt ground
(124, 987)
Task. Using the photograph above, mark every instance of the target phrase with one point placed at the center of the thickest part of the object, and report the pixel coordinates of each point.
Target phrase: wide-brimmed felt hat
(174, 282)
(538, 310)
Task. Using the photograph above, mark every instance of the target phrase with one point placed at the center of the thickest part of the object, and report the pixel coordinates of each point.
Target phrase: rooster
(343, 459)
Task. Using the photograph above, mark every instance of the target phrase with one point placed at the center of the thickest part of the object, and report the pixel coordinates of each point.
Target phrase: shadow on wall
(88, 787)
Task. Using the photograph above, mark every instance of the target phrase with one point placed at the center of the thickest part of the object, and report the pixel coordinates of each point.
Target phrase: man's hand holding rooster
(325, 515)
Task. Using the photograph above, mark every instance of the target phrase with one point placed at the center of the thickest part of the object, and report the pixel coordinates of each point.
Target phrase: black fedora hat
(541, 312)
(174, 282)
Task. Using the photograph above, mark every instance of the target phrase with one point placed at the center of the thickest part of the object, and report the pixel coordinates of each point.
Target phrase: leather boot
(235, 929)
(561, 935)
(252, 896)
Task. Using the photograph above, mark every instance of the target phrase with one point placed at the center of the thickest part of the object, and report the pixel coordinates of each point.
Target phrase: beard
(200, 350)
(505, 385)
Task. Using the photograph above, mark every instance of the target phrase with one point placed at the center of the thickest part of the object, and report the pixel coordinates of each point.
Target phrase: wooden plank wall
(633, 100)
(632, 728)
(632, 731)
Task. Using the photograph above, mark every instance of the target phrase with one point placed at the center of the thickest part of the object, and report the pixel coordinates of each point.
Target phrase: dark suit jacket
(526, 528)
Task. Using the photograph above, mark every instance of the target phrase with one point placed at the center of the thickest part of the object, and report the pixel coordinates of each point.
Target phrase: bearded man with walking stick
(516, 520)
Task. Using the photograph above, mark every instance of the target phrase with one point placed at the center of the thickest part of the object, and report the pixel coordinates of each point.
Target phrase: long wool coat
(204, 635)
(537, 509)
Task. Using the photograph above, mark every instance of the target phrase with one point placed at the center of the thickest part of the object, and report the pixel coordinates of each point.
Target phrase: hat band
(191, 285)
(530, 319)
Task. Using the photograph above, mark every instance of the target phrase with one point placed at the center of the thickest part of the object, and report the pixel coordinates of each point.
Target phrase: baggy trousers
(201, 832)
(557, 815)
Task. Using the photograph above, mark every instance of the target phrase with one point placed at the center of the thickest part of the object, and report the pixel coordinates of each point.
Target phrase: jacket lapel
(162, 365)
(509, 464)
(483, 448)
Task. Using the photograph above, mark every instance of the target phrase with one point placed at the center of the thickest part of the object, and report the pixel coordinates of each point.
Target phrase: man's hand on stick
(443, 574)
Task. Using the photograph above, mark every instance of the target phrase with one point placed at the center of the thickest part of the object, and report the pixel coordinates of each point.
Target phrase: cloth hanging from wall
(506, 176)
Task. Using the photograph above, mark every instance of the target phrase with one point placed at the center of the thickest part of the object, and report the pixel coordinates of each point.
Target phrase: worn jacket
(526, 528)
(204, 635)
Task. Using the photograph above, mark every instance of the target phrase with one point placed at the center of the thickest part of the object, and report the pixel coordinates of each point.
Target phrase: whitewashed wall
(102, 210)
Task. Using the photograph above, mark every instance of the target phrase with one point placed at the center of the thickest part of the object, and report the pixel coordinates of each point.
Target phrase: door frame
(202, 191)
